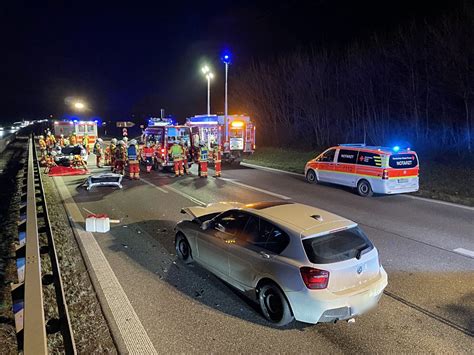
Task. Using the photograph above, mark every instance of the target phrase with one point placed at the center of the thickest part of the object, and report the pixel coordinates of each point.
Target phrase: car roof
(302, 219)
(374, 148)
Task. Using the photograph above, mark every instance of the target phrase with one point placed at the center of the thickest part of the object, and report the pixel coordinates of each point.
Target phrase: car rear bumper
(393, 187)
(320, 306)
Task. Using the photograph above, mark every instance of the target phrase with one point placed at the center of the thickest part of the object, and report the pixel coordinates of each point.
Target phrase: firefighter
(42, 146)
(120, 157)
(50, 141)
(113, 150)
(147, 156)
(62, 142)
(73, 139)
(85, 143)
(217, 155)
(177, 155)
(133, 165)
(203, 156)
(78, 162)
(184, 145)
(50, 162)
(99, 152)
(125, 140)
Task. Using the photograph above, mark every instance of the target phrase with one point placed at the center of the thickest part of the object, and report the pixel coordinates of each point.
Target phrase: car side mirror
(207, 225)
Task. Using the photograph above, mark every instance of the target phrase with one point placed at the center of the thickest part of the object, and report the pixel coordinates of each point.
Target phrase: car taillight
(314, 279)
(385, 174)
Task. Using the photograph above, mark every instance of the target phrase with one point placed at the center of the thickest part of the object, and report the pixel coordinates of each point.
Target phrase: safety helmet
(133, 142)
(62, 135)
(121, 142)
(99, 140)
(125, 139)
(149, 144)
(113, 141)
(41, 137)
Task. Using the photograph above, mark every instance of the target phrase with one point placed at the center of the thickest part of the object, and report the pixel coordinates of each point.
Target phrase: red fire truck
(236, 136)
(162, 133)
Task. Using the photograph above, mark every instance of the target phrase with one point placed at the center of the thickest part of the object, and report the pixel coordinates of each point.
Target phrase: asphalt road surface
(428, 305)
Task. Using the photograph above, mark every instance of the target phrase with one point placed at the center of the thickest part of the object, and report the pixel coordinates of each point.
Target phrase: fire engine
(236, 136)
(162, 133)
(80, 128)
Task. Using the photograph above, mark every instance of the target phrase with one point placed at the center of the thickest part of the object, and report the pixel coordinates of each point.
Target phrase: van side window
(347, 156)
(370, 159)
(328, 156)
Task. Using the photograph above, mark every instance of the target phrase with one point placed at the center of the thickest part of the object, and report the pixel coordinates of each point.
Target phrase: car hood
(198, 211)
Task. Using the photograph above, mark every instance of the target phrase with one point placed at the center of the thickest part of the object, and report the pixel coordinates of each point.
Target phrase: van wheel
(274, 305)
(364, 189)
(311, 176)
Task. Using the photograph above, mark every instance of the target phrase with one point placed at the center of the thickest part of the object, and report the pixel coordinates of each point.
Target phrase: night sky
(131, 59)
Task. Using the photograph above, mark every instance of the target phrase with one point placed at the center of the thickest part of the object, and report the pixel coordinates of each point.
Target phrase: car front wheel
(274, 305)
(311, 176)
(183, 250)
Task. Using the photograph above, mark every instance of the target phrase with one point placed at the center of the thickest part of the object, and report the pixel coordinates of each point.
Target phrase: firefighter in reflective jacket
(120, 157)
(42, 146)
(217, 155)
(113, 152)
(99, 152)
(147, 156)
(133, 165)
(184, 145)
(203, 156)
(177, 155)
(62, 142)
(85, 142)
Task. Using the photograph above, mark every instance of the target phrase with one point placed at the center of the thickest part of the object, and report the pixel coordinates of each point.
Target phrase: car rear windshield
(337, 246)
(403, 161)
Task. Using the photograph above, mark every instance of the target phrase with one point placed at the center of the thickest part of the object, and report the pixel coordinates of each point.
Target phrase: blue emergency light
(396, 148)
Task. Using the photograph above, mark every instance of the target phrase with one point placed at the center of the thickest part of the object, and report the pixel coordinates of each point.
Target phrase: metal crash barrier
(36, 244)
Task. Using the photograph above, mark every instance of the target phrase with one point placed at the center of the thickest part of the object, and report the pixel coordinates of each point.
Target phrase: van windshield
(337, 246)
(403, 161)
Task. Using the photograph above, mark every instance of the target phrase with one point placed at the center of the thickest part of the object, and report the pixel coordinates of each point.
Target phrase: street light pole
(226, 58)
(207, 72)
(208, 95)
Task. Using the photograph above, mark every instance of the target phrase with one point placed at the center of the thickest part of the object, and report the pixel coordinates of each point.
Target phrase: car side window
(231, 222)
(347, 156)
(369, 159)
(262, 235)
(328, 156)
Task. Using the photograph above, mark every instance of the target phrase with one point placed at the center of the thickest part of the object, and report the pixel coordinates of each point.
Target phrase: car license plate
(402, 181)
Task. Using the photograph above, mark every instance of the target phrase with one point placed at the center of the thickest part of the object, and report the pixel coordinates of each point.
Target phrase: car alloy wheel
(183, 250)
(311, 176)
(274, 305)
(364, 189)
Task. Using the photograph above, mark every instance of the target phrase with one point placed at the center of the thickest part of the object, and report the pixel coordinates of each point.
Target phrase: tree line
(414, 86)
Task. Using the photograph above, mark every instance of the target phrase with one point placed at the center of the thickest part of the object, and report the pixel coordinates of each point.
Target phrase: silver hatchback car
(299, 262)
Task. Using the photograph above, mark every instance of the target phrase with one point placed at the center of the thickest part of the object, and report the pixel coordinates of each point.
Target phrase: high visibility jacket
(85, 141)
(148, 152)
(120, 153)
(176, 151)
(132, 152)
(203, 154)
(98, 149)
(217, 154)
(42, 144)
(112, 148)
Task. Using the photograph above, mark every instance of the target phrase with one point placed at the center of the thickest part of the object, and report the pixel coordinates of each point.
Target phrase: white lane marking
(450, 204)
(465, 252)
(283, 197)
(270, 169)
(189, 197)
(439, 202)
(131, 329)
(153, 185)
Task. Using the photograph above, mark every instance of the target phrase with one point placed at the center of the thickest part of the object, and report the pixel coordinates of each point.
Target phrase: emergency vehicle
(237, 137)
(162, 133)
(69, 127)
(370, 169)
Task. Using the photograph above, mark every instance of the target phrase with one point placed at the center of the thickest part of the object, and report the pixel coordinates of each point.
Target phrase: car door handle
(264, 255)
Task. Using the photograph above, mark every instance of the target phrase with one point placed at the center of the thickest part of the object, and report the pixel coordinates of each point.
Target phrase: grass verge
(446, 180)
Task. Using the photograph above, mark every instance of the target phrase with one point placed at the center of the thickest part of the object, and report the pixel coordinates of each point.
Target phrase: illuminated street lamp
(227, 59)
(78, 105)
(208, 74)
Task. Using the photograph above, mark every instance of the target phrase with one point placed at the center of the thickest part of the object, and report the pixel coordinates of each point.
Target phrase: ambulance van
(369, 169)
